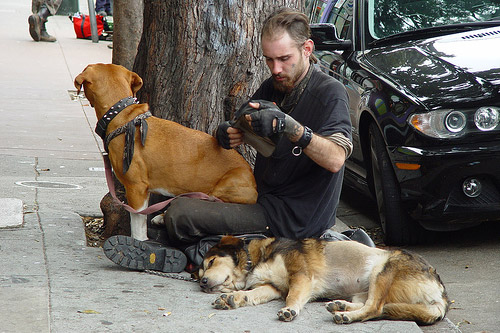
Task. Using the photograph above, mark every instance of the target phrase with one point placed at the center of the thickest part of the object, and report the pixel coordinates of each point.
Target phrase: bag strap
(82, 24)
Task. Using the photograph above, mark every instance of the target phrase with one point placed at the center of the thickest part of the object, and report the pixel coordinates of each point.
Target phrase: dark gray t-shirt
(299, 196)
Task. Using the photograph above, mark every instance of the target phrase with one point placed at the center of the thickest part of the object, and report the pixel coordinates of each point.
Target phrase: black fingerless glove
(262, 120)
(222, 136)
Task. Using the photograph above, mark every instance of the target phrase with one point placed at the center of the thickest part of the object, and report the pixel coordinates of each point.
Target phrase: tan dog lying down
(364, 282)
(174, 159)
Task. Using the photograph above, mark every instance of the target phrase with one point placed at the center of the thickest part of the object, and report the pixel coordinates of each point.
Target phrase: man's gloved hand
(269, 120)
(222, 136)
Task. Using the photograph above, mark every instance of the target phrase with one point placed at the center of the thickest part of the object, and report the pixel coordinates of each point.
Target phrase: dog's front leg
(299, 294)
(139, 224)
(138, 198)
(236, 299)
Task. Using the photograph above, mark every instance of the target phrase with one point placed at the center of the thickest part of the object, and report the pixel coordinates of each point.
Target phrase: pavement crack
(37, 174)
(36, 210)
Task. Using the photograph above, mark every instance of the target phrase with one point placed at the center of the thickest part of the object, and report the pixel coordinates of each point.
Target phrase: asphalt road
(468, 262)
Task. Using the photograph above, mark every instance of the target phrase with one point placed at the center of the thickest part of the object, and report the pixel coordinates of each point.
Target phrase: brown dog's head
(106, 84)
(223, 266)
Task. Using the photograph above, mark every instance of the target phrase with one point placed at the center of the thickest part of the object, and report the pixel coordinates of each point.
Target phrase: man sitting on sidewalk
(306, 114)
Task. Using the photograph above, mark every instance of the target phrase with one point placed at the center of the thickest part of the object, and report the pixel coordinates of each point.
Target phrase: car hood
(444, 71)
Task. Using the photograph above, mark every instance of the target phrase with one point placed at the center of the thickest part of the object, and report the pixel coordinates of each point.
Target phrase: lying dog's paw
(341, 318)
(230, 301)
(334, 306)
(158, 220)
(287, 314)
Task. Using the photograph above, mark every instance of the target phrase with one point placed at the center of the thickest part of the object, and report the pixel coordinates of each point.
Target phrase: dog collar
(249, 259)
(103, 123)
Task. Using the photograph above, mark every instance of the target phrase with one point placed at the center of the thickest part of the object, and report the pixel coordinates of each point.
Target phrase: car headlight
(486, 118)
(455, 121)
(445, 124)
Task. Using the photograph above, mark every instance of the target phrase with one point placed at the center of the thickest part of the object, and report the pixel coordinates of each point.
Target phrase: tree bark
(127, 31)
(200, 60)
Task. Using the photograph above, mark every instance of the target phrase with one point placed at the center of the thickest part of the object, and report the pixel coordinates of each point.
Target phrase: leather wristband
(306, 137)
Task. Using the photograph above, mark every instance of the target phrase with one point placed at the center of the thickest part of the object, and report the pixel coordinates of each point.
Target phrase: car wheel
(398, 227)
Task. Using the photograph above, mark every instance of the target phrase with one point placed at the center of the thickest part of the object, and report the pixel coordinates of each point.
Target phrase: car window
(341, 16)
(389, 17)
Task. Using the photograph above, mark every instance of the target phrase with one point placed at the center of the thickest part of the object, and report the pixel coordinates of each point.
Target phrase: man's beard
(289, 82)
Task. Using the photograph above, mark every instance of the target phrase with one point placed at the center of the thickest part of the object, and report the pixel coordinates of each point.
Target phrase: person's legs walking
(41, 11)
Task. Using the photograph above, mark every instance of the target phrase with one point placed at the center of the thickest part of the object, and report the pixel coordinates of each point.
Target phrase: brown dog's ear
(135, 83)
(79, 81)
(82, 77)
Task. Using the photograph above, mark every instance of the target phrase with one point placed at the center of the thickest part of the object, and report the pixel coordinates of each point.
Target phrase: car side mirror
(324, 36)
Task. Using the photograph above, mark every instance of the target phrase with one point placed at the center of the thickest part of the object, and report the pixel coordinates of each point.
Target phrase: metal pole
(93, 22)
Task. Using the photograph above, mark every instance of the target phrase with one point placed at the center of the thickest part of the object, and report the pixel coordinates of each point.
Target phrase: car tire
(398, 227)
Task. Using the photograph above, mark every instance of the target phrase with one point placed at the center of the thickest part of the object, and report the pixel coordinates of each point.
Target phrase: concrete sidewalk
(51, 175)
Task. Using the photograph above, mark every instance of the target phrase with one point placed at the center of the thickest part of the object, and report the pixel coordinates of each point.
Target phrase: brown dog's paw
(230, 301)
(287, 314)
(334, 306)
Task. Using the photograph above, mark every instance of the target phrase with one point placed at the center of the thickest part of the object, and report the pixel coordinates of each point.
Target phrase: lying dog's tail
(422, 314)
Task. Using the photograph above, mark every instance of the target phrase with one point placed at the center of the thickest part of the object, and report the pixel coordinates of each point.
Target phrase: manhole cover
(46, 184)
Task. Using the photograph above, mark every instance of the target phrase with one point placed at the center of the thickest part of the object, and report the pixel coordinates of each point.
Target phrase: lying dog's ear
(230, 240)
(135, 83)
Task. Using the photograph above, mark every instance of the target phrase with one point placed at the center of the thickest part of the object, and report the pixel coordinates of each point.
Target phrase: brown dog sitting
(153, 155)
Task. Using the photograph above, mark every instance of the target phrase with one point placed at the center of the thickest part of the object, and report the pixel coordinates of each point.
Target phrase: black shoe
(359, 235)
(141, 255)
(37, 25)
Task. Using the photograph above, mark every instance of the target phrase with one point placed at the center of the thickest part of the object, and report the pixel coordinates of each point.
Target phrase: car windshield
(390, 17)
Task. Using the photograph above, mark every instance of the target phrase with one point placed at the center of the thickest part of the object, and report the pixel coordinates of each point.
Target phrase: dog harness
(128, 129)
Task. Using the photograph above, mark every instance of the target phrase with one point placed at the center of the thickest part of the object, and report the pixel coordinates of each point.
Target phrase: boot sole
(35, 27)
(134, 254)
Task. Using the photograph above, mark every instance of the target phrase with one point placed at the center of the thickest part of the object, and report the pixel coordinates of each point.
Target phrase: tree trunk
(127, 31)
(201, 59)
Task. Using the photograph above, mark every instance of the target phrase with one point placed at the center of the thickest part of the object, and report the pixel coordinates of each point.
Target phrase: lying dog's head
(223, 269)
(105, 84)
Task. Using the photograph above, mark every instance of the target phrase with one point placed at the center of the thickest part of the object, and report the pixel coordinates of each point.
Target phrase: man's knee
(178, 222)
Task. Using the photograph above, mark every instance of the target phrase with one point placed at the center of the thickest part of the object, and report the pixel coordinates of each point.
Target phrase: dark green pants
(188, 220)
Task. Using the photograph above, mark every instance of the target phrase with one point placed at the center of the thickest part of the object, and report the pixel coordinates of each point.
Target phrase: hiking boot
(45, 37)
(141, 255)
(35, 27)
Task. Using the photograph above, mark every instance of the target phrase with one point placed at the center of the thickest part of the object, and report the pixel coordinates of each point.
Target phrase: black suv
(423, 79)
